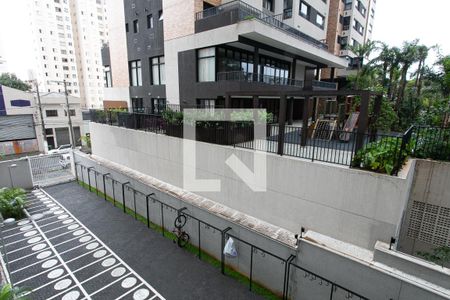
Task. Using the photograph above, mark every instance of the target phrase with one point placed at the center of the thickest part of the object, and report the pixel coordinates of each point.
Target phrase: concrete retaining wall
(349, 266)
(20, 174)
(351, 205)
(427, 220)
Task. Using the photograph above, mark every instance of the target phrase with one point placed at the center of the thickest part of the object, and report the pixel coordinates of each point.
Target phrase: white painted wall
(351, 205)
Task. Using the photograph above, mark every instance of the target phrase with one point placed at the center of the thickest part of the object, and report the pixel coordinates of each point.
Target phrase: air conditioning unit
(347, 13)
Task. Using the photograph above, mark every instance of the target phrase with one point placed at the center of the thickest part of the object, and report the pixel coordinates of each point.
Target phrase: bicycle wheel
(180, 221)
(183, 239)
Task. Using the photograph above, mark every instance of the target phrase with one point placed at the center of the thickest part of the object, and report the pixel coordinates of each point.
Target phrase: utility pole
(44, 134)
(71, 132)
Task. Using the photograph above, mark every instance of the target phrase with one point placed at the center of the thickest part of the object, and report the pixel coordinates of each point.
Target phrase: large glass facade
(240, 62)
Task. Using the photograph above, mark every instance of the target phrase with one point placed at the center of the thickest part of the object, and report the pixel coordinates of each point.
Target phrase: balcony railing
(261, 78)
(324, 85)
(248, 12)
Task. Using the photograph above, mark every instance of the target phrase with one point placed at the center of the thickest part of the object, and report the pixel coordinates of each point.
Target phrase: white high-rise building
(67, 36)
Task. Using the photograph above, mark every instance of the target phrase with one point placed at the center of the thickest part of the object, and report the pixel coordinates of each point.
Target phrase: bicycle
(182, 236)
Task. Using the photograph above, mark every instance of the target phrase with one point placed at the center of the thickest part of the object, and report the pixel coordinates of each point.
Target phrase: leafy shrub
(440, 255)
(433, 143)
(12, 203)
(7, 292)
(172, 117)
(381, 156)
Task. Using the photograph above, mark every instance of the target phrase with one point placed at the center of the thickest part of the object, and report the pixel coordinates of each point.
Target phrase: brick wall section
(179, 16)
(333, 30)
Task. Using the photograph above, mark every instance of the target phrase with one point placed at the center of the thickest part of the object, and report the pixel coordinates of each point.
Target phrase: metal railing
(261, 78)
(431, 142)
(248, 12)
(325, 85)
(162, 211)
(323, 143)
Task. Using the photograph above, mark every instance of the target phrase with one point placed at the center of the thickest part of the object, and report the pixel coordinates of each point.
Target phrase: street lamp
(10, 176)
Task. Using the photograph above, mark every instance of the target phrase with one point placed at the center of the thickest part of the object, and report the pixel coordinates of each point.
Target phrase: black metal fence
(322, 143)
(164, 214)
(431, 142)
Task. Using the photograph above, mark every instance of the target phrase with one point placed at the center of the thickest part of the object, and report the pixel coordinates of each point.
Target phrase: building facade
(350, 23)
(20, 129)
(54, 110)
(67, 37)
(114, 57)
(192, 53)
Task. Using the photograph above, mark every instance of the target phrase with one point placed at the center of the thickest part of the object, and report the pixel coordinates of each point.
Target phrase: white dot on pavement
(44, 254)
(73, 226)
(30, 233)
(128, 282)
(34, 240)
(38, 247)
(117, 272)
(85, 239)
(78, 232)
(141, 294)
(49, 263)
(92, 246)
(55, 273)
(108, 262)
(99, 253)
(37, 216)
(72, 295)
(25, 228)
(62, 284)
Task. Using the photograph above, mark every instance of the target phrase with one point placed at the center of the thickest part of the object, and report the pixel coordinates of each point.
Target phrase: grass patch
(256, 288)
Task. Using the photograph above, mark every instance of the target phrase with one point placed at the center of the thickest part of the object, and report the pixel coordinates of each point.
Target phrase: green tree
(12, 81)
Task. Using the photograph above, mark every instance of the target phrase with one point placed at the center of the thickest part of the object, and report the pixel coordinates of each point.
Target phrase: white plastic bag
(230, 248)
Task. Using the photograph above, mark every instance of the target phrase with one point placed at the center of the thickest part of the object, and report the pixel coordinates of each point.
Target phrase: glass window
(135, 26)
(304, 9)
(206, 64)
(268, 4)
(208, 104)
(51, 113)
(108, 79)
(158, 105)
(158, 70)
(135, 73)
(320, 20)
(149, 21)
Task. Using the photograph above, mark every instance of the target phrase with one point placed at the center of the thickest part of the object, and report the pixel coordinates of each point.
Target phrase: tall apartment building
(193, 52)
(67, 38)
(350, 22)
(114, 57)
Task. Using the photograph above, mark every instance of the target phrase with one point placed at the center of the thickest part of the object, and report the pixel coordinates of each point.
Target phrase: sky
(400, 20)
(395, 22)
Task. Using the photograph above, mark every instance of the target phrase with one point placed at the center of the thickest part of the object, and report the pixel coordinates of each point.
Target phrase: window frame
(150, 21)
(214, 59)
(53, 114)
(308, 7)
(159, 66)
(136, 26)
(137, 70)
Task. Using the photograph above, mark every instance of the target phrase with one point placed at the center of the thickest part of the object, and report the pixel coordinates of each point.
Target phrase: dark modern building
(193, 53)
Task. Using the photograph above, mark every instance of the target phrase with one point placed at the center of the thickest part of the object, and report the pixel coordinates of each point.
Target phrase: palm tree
(408, 56)
(422, 54)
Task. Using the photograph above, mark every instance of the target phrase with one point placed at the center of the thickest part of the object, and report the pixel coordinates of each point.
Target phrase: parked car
(64, 161)
(61, 149)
